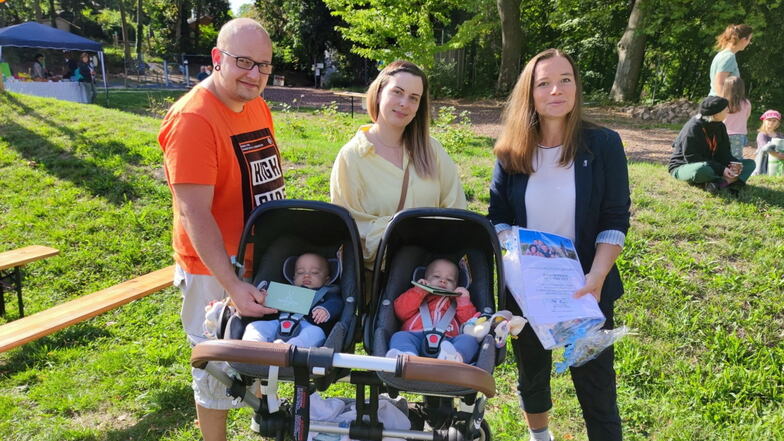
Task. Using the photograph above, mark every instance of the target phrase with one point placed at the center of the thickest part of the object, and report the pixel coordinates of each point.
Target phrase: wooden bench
(351, 95)
(46, 322)
(11, 263)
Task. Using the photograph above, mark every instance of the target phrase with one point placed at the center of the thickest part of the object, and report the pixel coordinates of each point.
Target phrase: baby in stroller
(284, 228)
(310, 270)
(432, 321)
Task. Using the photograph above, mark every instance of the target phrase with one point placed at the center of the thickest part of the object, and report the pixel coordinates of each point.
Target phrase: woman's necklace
(377, 140)
(391, 152)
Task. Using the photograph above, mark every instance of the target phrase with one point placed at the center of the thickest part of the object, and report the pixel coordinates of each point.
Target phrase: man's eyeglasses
(248, 64)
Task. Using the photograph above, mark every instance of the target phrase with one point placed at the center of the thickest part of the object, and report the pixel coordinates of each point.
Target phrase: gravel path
(649, 144)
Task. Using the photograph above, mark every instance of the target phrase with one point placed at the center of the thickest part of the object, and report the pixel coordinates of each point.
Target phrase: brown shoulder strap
(404, 189)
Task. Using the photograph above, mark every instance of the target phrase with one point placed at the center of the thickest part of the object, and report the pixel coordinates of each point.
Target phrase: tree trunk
(37, 9)
(139, 33)
(631, 52)
(126, 46)
(52, 14)
(511, 44)
(196, 30)
(178, 26)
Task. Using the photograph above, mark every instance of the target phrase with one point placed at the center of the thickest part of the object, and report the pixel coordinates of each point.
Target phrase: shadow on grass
(757, 195)
(37, 352)
(98, 180)
(176, 409)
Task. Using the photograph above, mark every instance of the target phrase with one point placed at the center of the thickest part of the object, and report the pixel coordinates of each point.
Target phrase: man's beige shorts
(197, 292)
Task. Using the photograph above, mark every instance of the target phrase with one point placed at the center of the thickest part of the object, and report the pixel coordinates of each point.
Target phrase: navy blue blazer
(602, 198)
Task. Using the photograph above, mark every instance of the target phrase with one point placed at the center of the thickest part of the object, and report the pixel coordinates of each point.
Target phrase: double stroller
(453, 393)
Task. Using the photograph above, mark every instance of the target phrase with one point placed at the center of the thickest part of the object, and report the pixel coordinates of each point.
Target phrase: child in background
(768, 160)
(310, 271)
(440, 273)
(739, 110)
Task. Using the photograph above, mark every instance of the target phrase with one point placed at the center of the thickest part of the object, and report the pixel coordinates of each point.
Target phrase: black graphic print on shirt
(259, 161)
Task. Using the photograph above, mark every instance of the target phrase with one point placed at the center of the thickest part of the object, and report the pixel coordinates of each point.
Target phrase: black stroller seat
(412, 239)
(281, 229)
(274, 235)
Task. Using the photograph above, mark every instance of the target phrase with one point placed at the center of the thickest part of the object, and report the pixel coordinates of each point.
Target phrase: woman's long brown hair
(732, 34)
(734, 91)
(520, 130)
(416, 135)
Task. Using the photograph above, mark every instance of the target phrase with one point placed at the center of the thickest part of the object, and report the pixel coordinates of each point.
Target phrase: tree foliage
(386, 30)
(459, 41)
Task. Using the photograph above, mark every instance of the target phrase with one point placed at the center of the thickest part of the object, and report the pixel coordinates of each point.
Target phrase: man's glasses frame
(246, 63)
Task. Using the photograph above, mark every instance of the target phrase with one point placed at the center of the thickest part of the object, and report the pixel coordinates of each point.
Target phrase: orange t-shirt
(205, 142)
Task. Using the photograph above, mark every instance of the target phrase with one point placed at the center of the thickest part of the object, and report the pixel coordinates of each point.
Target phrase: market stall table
(63, 90)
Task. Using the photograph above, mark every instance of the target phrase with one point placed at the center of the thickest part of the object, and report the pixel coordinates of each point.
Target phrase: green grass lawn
(704, 284)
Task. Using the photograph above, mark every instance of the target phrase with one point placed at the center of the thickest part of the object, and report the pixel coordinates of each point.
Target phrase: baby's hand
(262, 296)
(422, 282)
(462, 291)
(320, 315)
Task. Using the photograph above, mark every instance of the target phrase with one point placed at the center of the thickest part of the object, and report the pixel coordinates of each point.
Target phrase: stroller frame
(312, 361)
(317, 368)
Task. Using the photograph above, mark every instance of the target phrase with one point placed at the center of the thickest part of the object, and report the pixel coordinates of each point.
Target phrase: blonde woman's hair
(416, 135)
(520, 130)
(732, 34)
(734, 91)
(767, 127)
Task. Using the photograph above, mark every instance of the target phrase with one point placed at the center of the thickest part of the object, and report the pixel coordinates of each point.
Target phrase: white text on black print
(265, 170)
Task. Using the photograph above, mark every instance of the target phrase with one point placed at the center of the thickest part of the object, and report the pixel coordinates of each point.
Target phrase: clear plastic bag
(588, 347)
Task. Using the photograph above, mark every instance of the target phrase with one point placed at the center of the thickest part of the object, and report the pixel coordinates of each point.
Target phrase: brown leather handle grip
(447, 372)
(256, 352)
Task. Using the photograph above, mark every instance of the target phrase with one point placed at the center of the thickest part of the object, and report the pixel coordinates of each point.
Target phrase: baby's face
(311, 271)
(442, 274)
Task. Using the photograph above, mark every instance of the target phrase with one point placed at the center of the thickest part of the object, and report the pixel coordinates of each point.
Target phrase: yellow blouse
(369, 187)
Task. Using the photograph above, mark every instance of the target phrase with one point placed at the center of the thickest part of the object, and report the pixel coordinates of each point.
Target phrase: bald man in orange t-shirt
(221, 162)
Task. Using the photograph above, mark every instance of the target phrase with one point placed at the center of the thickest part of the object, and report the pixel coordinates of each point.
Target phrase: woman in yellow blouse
(368, 174)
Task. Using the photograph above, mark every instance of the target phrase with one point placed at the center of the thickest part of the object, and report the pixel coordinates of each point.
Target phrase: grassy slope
(703, 275)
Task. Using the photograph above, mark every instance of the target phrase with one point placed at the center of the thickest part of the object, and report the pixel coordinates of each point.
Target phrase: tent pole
(1, 53)
(103, 72)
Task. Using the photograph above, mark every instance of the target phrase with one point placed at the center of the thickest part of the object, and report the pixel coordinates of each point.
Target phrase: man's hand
(319, 314)
(249, 300)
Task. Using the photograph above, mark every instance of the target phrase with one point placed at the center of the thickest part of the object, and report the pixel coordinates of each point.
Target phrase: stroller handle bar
(317, 360)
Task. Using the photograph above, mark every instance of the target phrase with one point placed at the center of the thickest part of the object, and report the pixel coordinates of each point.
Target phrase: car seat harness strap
(288, 323)
(434, 334)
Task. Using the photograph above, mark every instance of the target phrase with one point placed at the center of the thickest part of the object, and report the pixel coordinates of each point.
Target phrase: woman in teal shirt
(733, 40)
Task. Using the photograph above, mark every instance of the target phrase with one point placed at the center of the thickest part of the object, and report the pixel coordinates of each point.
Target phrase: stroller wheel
(461, 433)
(485, 434)
(270, 425)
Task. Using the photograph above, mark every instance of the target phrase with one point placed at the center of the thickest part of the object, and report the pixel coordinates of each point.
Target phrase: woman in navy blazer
(557, 173)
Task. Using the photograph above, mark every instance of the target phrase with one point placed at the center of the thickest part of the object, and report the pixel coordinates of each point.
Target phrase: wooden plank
(46, 322)
(350, 94)
(21, 256)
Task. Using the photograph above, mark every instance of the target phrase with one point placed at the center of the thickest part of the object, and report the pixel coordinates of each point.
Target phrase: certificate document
(542, 272)
(289, 298)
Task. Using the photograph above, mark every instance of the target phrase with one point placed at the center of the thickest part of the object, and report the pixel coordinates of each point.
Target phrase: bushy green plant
(159, 105)
(453, 129)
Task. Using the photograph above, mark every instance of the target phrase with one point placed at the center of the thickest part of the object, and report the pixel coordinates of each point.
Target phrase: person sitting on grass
(701, 152)
(310, 271)
(443, 313)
